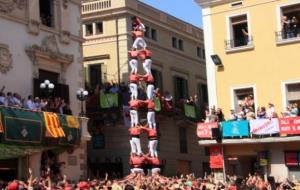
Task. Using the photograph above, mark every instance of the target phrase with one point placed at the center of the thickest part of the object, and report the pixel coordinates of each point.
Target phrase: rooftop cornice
(209, 3)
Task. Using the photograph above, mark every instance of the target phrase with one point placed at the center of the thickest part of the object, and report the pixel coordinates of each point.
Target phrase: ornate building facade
(41, 39)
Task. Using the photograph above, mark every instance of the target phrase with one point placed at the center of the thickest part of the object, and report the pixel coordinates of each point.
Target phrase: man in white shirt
(29, 103)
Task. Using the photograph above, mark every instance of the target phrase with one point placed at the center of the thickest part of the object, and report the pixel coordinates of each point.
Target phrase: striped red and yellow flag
(1, 124)
(53, 125)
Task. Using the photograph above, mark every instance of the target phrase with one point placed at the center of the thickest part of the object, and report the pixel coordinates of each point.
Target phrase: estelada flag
(1, 124)
(53, 125)
(72, 121)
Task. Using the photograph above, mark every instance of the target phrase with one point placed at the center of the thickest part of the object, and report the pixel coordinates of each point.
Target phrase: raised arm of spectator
(30, 178)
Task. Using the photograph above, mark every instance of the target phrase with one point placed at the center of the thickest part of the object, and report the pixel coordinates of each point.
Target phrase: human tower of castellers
(140, 52)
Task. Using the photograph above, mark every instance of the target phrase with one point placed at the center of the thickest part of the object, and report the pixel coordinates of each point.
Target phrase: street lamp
(82, 96)
(47, 86)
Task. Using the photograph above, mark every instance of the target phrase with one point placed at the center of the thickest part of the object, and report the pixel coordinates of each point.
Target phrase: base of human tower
(139, 162)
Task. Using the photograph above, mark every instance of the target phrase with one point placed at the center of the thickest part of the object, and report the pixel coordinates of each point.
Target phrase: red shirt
(133, 53)
(138, 33)
(150, 104)
(135, 131)
(135, 104)
(133, 78)
(151, 132)
(148, 53)
(137, 161)
(154, 161)
(148, 78)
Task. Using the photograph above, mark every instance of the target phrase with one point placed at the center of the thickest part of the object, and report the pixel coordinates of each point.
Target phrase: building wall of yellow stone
(266, 66)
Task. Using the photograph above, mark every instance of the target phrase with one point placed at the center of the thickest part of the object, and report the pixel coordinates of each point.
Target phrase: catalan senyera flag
(1, 124)
(72, 121)
(53, 125)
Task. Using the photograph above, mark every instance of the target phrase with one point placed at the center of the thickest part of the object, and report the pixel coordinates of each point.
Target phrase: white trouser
(138, 43)
(133, 90)
(134, 65)
(152, 148)
(133, 147)
(134, 118)
(137, 170)
(150, 91)
(155, 171)
(137, 143)
(147, 66)
(151, 119)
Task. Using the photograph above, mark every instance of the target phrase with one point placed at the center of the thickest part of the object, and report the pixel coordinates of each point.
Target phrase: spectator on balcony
(167, 101)
(271, 111)
(17, 102)
(261, 113)
(37, 104)
(294, 26)
(29, 104)
(241, 114)
(213, 115)
(250, 115)
(2, 99)
(294, 110)
(246, 36)
(9, 99)
(286, 28)
(233, 115)
(220, 115)
(67, 110)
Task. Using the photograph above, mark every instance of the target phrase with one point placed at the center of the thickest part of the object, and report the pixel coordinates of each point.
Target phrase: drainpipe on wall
(118, 52)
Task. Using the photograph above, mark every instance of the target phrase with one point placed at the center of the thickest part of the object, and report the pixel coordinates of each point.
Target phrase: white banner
(264, 126)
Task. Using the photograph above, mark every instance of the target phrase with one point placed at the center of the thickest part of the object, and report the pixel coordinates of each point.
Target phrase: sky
(186, 10)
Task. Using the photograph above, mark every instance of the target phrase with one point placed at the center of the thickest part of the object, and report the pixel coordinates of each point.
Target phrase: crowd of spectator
(246, 111)
(56, 104)
(137, 181)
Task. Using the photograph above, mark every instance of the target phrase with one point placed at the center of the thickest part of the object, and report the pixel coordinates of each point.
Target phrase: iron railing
(286, 35)
(238, 42)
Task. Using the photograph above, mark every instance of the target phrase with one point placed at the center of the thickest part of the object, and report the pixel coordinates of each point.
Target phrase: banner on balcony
(22, 127)
(235, 128)
(71, 128)
(190, 111)
(291, 159)
(264, 126)
(157, 103)
(215, 157)
(53, 125)
(289, 125)
(204, 129)
(109, 100)
(1, 124)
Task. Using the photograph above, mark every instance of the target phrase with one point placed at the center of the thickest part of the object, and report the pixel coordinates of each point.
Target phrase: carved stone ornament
(5, 59)
(7, 6)
(50, 49)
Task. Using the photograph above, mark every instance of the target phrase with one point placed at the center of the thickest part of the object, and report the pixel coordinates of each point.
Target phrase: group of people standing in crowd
(57, 104)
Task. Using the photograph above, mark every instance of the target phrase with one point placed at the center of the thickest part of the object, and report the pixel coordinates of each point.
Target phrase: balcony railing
(26, 127)
(94, 6)
(238, 43)
(284, 36)
(253, 129)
